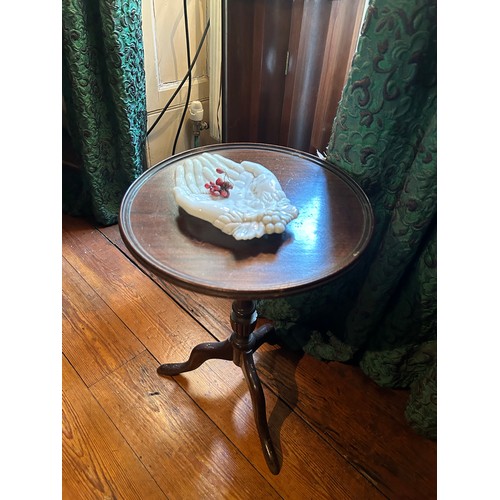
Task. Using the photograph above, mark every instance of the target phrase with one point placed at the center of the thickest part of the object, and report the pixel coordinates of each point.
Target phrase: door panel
(307, 46)
(166, 65)
(286, 62)
(165, 51)
(254, 59)
(342, 37)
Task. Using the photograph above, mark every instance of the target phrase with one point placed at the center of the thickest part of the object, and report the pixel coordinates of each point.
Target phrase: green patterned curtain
(382, 315)
(104, 93)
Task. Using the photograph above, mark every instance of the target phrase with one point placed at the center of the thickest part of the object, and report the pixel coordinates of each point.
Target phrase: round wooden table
(333, 228)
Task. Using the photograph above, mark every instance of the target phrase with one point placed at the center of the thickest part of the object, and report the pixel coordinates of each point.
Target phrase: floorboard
(97, 461)
(94, 339)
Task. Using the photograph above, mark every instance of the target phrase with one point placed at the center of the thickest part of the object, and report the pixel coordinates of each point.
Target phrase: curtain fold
(382, 314)
(105, 95)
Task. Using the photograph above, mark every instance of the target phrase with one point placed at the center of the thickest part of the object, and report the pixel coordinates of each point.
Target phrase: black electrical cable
(177, 90)
(188, 52)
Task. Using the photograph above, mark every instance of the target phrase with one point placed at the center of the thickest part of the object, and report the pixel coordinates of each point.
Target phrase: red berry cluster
(220, 187)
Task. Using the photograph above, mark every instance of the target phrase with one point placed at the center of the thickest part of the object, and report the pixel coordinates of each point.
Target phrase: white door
(166, 65)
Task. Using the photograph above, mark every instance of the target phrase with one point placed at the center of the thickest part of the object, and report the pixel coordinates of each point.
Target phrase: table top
(333, 228)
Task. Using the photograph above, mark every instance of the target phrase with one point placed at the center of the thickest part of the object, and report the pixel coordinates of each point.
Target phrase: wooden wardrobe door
(286, 63)
(255, 49)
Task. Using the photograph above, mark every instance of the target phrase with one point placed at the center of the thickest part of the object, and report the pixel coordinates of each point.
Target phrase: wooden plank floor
(129, 434)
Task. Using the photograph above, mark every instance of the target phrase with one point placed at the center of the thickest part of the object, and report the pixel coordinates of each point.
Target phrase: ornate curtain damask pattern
(105, 95)
(382, 315)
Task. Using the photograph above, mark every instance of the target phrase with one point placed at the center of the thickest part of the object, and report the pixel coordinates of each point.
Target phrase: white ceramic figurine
(243, 199)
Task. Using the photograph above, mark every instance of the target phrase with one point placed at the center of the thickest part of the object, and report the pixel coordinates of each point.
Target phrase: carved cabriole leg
(200, 354)
(259, 411)
(243, 320)
(261, 335)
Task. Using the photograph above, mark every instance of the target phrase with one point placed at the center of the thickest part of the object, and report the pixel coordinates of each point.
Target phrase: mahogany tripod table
(333, 228)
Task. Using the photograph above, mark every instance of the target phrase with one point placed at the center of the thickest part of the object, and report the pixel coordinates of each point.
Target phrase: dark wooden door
(285, 64)
(255, 46)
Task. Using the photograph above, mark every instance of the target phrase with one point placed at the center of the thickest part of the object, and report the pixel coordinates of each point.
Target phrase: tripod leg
(259, 410)
(200, 354)
(263, 334)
